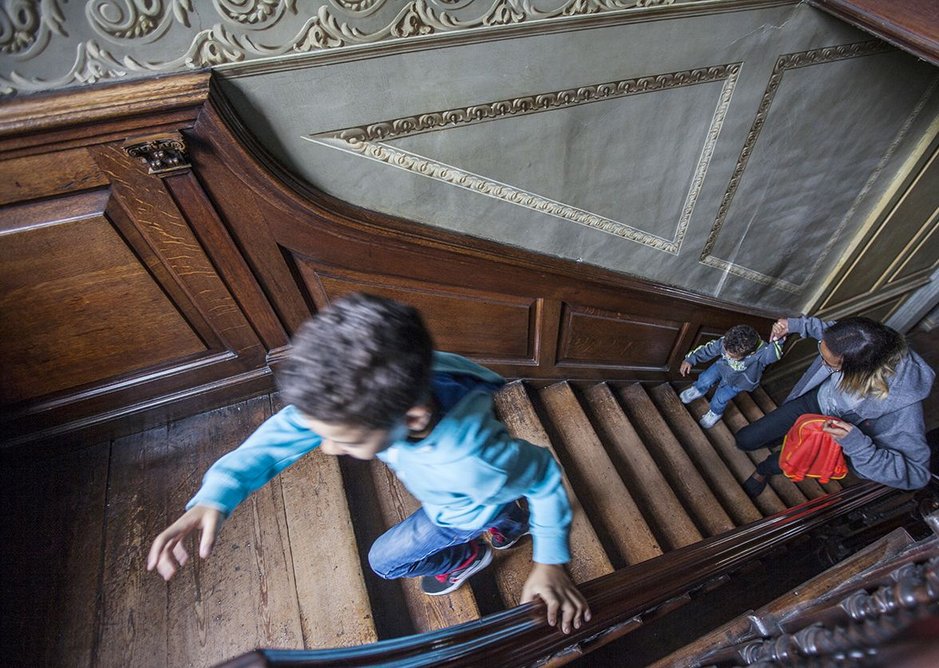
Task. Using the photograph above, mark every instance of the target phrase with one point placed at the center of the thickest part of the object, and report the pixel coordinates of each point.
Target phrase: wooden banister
(618, 601)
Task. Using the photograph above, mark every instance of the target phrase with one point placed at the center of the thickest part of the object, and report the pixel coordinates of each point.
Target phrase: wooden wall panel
(111, 309)
(78, 305)
(591, 336)
(493, 327)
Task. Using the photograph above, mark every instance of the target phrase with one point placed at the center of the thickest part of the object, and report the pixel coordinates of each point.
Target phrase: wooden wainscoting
(155, 260)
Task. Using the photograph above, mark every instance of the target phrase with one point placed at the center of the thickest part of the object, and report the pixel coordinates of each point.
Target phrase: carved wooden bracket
(163, 154)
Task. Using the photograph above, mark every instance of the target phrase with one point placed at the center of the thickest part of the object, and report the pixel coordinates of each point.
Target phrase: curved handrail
(521, 636)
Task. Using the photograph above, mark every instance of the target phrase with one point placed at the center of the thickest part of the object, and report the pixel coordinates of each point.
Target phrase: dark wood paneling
(495, 327)
(622, 340)
(77, 305)
(128, 295)
(110, 306)
(912, 25)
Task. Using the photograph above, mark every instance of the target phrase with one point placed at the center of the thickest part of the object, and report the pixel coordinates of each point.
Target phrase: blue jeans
(417, 546)
(722, 394)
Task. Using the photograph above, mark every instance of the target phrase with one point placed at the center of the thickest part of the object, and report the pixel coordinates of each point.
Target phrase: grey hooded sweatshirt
(889, 444)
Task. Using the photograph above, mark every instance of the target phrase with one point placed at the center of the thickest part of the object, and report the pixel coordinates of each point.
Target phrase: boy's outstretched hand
(559, 593)
(167, 553)
(685, 368)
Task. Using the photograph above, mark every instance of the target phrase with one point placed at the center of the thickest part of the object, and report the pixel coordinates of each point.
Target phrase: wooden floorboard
(244, 596)
(53, 517)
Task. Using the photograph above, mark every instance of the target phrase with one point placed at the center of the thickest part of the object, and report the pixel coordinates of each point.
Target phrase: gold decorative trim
(369, 141)
(784, 63)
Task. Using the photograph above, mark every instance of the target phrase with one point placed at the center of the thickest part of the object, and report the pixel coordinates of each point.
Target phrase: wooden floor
(288, 569)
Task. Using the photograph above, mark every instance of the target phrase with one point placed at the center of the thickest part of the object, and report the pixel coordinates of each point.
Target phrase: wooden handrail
(521, 636)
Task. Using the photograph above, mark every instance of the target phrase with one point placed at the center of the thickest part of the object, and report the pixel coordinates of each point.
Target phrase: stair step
(668, 519)
(588, 558)
(737, 460)
(766, 404)
(428, 613)
(727, 488)
(335, 611)
(785, 488)
(752, 412)
(605, 496)
(674, 462)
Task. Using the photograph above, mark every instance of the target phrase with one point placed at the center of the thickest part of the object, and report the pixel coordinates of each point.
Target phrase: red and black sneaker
(438, 585)
(500, 541)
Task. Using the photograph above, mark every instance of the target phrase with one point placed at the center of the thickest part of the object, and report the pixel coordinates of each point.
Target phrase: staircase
(643, 477)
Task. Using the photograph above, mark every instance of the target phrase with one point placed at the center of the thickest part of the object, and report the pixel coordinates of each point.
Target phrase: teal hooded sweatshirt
(463, 472)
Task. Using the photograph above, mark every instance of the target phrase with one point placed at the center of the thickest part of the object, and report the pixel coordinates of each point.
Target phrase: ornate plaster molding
(114, 39)
(785, 63)
(370, 141)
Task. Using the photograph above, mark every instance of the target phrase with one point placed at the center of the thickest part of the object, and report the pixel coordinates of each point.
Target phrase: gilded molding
(131, 36)
(783, 64)
(370, 141)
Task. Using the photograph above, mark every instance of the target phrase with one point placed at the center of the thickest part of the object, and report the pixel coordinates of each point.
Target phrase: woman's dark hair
(869, 352)
(741, 340)
(363, 361)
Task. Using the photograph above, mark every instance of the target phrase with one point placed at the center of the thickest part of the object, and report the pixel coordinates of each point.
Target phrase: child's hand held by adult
(780, 329)
(168, 555)
(561, 597)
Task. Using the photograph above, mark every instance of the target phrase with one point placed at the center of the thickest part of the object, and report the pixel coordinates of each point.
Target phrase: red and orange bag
(809, 451)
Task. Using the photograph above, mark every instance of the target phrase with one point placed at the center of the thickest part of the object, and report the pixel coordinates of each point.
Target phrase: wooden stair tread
(727, 488)
(768, 502)
(785, 488)
(652, 492)
(674, 462)
(746, 405)
(603, 492)
(428, 613)
(588, 558)
(335, 609)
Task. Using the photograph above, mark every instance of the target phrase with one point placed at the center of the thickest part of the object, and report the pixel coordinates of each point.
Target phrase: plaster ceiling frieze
(783, 64)
(114, 39)
(370, 141)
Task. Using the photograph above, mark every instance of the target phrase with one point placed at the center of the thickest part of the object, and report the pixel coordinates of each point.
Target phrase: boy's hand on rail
(167, 554)
(684, 369)
(553, 585)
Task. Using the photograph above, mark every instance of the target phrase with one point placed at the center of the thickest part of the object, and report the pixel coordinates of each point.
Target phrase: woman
(867, 377)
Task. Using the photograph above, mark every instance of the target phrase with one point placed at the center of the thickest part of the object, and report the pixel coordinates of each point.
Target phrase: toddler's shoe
(690, 394)
(438, 585)
(709, 419)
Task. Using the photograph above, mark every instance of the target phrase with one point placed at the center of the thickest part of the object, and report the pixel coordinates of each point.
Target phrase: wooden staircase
(660, 515)
(643, 477)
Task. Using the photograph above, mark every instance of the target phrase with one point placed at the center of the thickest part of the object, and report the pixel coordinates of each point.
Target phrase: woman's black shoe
(754, 487)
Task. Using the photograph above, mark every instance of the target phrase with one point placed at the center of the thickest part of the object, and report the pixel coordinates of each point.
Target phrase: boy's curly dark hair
(741, 340)
(362, 361)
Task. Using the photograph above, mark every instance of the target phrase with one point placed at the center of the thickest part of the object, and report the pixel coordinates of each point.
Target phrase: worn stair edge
(740, 628)
(736, 459)
(600, 488)
(766, 404)
(664, 512)
(746, 405)
(785, 488)
(428, 613)
(588, 559)
(674, 462)
(727, 488)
